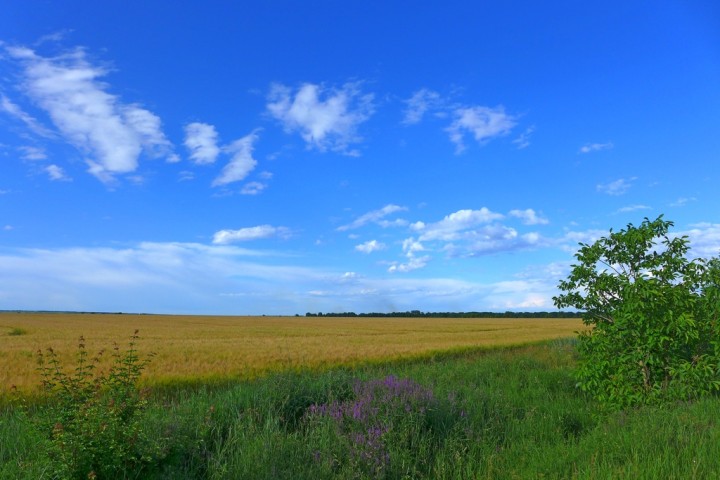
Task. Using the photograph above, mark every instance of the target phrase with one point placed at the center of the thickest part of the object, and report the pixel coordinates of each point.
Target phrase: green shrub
(91, 416)
(654, 314)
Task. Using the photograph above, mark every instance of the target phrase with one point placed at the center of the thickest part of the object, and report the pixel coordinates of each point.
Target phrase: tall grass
(502, 414)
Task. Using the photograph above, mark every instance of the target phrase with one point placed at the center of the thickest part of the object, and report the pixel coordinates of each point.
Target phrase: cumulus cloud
(370, 246)
(375, 216)
(449, 228)
(595, 147)
(411, 247)
(224, 237)
(201, 141)
(241, 162)
(421, 101)
(529, 217)
(704, 239)
(56, 173)
(617, 187)
(483, 123)
(327, 119)
(111, 133)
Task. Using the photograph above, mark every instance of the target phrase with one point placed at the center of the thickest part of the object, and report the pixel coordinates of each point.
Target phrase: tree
(653, 315)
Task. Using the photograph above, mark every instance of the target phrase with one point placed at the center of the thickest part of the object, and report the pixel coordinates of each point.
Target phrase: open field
(192, 348)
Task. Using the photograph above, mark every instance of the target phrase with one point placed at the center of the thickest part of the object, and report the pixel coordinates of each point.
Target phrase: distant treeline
(418, 313)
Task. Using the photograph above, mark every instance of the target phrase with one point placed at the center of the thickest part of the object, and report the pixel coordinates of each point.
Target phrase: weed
(91, 417)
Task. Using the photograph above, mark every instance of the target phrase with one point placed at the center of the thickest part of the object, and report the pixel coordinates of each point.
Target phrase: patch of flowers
(384, 417)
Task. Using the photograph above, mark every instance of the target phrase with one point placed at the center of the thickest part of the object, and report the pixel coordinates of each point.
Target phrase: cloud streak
(224, 237)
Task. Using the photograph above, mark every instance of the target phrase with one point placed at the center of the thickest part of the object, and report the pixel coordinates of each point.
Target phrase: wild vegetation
(495, 414)
(654, 314)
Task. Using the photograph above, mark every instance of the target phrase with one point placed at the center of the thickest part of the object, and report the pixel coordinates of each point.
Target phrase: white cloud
(704, 239)
(253, 188)
(523, 141)
(14, 110)
(484, 123)
(417, 105)
(370, 246)
(33, 153)
(185, 175)
(618, 187)
(448, 228)
(571, 239)
(374, 216)
(595, 147)
(241, 163)
(682, 201)
(529, 217)
(413, 263)
(327, 119)
(410, 247)
(633, 208)
(201, 140)
(7, 228)
(56, 173)
(113, 134)
(224, 237)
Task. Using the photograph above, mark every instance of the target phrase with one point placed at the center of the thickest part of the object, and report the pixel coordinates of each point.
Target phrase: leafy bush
(91, 416)
(654, 314)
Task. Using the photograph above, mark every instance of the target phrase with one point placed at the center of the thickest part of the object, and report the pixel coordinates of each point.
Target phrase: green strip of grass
(501, 414)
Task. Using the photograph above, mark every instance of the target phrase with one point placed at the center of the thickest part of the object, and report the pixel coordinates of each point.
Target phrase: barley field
(204, 348)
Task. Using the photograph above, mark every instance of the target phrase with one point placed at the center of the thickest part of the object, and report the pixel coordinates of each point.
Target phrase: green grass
(503, 414)
(17, 331)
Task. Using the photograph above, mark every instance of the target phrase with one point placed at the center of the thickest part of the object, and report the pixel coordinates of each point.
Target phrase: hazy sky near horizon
(282, 157)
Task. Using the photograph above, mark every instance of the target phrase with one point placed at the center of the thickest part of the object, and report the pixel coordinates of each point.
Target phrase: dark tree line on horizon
(419, 314)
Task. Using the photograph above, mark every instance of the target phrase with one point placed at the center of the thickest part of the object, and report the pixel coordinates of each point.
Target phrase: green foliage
(654, 314)
(91, 417)
(17, 331)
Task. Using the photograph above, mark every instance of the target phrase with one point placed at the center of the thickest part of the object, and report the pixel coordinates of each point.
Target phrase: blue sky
(286, 157)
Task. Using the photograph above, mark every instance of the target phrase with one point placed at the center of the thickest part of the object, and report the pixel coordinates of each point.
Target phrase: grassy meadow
(205, 348)
(350, 399)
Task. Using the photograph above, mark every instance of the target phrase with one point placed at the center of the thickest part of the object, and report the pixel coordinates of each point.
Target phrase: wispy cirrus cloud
(30, 122)
(112, 134)
(682, 201)
(483, 123)
(375, 216)
(633, 208)
(419, 104)
(595, 147)
(326, 118)
(617, 187)
(33, 153)
(241, 162)
(523, 140)
(259, 232)
(201, 140)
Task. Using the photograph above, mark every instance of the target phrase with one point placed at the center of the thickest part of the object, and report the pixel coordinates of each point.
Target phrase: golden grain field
(205, 347)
